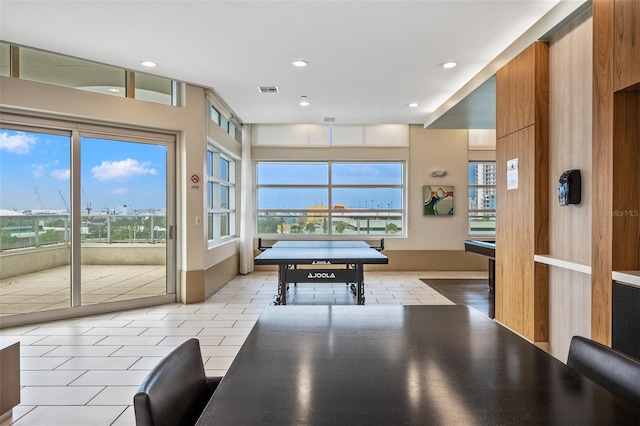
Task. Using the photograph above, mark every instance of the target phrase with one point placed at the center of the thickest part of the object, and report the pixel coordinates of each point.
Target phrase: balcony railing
(37, 230)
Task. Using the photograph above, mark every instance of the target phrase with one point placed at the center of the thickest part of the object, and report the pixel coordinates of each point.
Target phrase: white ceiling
(367, 59)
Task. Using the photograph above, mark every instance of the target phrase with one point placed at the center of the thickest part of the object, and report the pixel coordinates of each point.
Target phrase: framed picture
(438, 200)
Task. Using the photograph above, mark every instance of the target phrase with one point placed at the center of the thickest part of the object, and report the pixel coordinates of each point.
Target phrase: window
(221, 196)
(226, 124)
(154, 89)
(482, 198)
(5, 60)
(51, 68)
(330, 198)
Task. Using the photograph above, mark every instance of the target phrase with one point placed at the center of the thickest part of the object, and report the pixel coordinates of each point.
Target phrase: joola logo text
(321, 262)
(325, 275)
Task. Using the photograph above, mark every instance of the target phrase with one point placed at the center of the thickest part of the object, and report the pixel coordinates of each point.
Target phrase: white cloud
(61, 174)
(119, 191)
(19, 143)
(121, 170)
(38, 169)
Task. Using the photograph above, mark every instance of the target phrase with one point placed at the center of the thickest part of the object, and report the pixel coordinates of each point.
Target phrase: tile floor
(49, 289)
(85, 371)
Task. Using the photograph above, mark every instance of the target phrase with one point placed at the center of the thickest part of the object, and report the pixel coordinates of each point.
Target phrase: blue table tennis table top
(320, 252)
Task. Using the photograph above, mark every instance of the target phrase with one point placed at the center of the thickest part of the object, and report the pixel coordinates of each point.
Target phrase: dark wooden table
(401, 365)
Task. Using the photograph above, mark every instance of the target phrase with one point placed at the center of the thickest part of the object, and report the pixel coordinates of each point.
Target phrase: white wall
(430, 150)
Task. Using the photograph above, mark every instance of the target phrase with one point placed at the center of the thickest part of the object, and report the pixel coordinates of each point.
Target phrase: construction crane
(87, 203)
(35, 191)
(66, 206)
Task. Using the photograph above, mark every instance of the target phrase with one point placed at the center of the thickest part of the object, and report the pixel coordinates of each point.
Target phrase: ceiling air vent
(268, 89)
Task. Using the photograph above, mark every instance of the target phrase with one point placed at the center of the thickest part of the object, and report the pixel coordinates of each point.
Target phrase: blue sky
(113, 173)
(318, 174)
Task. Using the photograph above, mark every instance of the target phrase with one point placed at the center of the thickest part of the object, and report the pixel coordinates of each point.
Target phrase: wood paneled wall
(616, 155)
(569, 309)
(627, 44)
(522, 130)
(570, 95)
(626, 181)
(602, 149)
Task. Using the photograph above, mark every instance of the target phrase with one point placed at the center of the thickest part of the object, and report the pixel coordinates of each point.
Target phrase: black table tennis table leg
(282, 285)
(360, 283)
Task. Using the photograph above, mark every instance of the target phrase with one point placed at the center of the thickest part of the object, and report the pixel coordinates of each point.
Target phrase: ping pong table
(319, 259)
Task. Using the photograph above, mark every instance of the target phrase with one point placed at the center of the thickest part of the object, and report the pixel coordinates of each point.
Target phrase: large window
(330, 198)
(52, 68)
(221, 196)
(482, 198)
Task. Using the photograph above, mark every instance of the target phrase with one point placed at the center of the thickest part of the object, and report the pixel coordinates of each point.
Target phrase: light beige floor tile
(58, 395)
(115, 331)
(17, 412)
(134, 316)
(219, 363)
(191, 317)
(48, 378)
(79, 351)
(225, 331)
(214, 351)
(212, 323)
(237, 317)
(98, 363)
(69, 340)
(106, 323)
(172, 331)
(130, 340)
(26, 350)
(110, 378)
(204, 340)
(174, 309)
(127, 418)
(216, 373)
(159, 323)
(146, 363)
(221, 309)
(71, 416)
(245, 324)
(114, 395)
(233, 340)
(24, 340)
(133, 350)
(40, 363)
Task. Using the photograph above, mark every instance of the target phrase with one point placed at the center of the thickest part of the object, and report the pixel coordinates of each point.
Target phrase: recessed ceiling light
(304, 101)
(113, 90)
(149, 64)
(300, 63)
(412, 105)
(449, 65)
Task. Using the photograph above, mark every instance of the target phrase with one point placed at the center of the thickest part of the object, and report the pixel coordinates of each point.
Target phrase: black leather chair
(176, 390)
(611, 369)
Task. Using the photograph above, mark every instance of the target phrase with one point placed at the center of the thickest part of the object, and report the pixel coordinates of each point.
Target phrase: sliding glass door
(123, 227)
(86, 217)
(35, 220)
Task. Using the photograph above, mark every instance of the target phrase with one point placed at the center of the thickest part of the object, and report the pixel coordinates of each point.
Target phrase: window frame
(472, 212)
(331, 212)
(215, 210)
